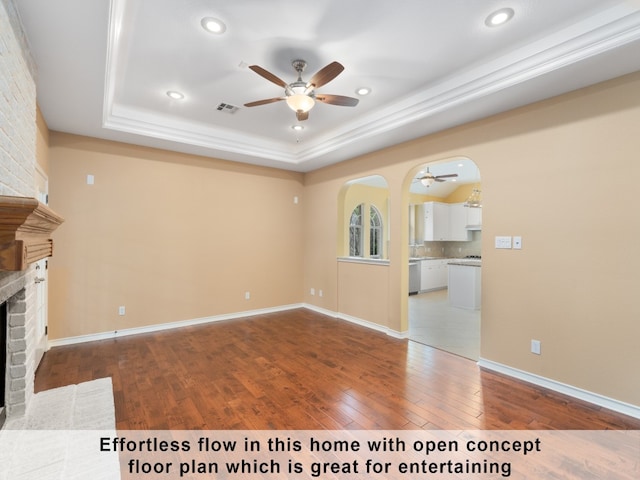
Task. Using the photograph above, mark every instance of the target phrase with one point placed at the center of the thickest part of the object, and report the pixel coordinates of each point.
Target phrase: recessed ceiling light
(499, 17)
(297, 128)
(363, 91)
(175, 95)
(213, 25)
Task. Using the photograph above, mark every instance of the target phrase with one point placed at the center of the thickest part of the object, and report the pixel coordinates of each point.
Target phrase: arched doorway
(445, 237)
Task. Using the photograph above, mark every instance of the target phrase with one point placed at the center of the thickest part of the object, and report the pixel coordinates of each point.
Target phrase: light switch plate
(503, 242)
(535, 347)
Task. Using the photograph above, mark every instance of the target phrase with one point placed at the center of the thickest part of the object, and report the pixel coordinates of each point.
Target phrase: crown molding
(612, 28)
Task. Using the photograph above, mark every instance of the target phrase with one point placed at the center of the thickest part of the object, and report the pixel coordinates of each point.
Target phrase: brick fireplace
(15, 296)
(26, 226)
(18, 136)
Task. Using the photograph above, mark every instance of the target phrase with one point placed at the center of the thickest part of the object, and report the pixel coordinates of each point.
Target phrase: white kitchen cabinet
(474, 217)
(464, 286)
(458, 222)
(444, 221)
(436, 221)
(442, 273)
(433, 274)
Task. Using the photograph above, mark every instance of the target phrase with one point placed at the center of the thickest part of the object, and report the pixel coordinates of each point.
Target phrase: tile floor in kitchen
(432, 321)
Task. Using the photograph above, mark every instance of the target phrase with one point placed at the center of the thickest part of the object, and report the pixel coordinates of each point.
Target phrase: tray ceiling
(105, 67)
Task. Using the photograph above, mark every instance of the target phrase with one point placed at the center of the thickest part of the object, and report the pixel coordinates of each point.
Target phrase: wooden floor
(302, 370)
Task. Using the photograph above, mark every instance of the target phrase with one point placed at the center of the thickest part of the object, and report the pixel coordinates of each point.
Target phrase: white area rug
(59, 436)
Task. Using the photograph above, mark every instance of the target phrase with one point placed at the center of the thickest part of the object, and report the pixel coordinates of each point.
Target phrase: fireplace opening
(3, 360)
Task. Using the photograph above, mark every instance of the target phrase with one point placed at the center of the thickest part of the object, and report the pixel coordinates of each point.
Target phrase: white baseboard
(590, 397)
(585, 395)
(357, 321)
(320, 310)
(167, 326)
(218, 318)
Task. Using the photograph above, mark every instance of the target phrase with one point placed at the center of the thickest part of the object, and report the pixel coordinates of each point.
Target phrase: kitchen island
(464, 283)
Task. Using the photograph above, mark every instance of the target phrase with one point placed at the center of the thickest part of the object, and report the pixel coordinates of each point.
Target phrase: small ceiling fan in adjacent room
(427, 179)
(300, 95)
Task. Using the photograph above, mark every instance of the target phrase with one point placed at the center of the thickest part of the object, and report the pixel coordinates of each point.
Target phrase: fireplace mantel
(25, 232)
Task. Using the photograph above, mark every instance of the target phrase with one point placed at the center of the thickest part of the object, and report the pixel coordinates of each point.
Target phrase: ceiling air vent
(227, 108)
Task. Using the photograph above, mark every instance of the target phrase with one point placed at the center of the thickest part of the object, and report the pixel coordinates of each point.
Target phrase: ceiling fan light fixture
(427, 181)
(299, 102)
(213, 25)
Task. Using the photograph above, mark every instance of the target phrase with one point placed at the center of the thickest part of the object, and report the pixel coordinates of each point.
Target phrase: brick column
(18, 133)
(17, 354)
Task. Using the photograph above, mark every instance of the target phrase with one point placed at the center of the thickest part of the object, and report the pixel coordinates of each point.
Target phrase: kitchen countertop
(472, 262)
(418, 259)
(466, 262)
(369, 261)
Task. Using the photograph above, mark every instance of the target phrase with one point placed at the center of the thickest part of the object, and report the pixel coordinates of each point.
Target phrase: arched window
(357, 236)
(375, 233)
(355, 232)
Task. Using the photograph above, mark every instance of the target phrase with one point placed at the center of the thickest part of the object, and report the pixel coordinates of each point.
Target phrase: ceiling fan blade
(268, 75)
(438, 179)
(450, 175)
(326, 74)
(337, 100)
(263, 102)
(302, 116)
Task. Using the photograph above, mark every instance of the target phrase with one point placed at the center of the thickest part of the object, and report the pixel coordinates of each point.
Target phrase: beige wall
(171, 237)
(364, 291)
(176, 237)
(562, 174)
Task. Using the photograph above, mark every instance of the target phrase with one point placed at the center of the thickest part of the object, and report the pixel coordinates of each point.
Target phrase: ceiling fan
(300, 95)
(428, 178)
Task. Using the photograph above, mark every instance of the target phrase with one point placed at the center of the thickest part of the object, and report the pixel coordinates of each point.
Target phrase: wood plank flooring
(302, 370)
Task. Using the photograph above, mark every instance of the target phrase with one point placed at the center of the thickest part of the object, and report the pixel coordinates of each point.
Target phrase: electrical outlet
(312, 291)
(121, 310)
(517, 243)
(90, 180)
(247, 295)
(319, 293)
(535, 347)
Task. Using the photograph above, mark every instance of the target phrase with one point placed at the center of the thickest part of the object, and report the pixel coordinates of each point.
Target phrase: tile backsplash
(449, 249)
